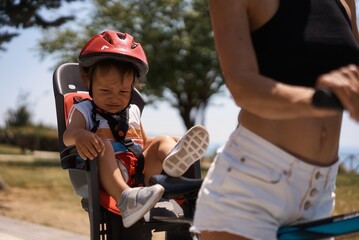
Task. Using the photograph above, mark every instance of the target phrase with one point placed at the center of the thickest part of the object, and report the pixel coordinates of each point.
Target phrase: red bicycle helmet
(114, 45)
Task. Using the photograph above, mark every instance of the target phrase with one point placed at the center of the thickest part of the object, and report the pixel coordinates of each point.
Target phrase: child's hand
(88, 144)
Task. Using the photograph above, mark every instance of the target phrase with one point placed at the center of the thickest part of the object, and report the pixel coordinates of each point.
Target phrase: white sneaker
(190, 148)
(136, 202)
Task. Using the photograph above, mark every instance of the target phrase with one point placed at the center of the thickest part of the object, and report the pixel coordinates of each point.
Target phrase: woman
(279, 166)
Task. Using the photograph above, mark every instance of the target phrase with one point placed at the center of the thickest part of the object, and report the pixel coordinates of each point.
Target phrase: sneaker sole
(135, 217)
(193, 146)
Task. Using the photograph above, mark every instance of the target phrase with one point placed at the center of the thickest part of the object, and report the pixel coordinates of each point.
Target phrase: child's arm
(87, 143)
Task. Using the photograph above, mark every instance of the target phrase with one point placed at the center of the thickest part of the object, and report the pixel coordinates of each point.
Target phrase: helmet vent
(108, 39)
(121, 36)
(134, 45)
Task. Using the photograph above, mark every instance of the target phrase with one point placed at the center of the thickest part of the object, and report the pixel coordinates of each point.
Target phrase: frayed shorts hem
(198, 230)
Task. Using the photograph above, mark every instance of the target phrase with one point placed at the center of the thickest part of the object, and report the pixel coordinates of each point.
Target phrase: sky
(23, 72)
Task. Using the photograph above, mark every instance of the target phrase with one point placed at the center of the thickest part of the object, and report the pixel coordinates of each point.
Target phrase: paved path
(11, 229)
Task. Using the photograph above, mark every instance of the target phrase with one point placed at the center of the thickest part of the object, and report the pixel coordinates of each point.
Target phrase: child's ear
(84, 76)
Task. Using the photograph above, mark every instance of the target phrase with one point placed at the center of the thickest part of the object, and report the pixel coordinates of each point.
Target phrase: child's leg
(132, 202)
(110, 174)
(155, 153)
(175, 157)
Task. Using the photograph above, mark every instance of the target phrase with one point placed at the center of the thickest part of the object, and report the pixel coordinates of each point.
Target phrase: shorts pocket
(258, 170)
(218, 171)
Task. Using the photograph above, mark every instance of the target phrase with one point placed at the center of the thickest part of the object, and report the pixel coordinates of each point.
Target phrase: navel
(323, 135)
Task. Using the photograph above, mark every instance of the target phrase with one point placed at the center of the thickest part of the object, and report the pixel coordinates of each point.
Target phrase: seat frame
(84, 177)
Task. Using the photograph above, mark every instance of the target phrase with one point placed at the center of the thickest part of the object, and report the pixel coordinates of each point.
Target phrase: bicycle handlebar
(325, 99)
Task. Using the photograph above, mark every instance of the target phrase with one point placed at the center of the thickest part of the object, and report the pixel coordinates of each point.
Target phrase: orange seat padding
(70, 99)
(108, 202)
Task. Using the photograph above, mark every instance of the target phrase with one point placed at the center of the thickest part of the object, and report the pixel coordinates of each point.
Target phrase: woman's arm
(251, 91)
(344, 82)
(351, 8)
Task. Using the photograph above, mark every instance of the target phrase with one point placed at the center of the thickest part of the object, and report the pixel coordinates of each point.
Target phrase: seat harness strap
(119, 129)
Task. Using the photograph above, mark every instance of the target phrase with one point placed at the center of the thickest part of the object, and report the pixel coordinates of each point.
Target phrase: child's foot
(190, 148)
(136, 202)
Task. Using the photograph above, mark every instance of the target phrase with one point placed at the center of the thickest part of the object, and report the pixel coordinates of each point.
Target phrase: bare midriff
(313, 140)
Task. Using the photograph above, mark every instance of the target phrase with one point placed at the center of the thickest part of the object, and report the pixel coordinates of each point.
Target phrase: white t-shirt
(134, 129)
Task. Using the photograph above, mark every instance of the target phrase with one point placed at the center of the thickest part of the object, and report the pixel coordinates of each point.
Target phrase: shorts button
(307, 205)
(317, 175)
(313, 192)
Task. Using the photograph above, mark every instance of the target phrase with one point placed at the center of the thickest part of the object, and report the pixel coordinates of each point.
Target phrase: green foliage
(26, 14)
(30, 138)
(20, 131)
(178, 41)
(18, 117)
(68, 42)
(21, 115)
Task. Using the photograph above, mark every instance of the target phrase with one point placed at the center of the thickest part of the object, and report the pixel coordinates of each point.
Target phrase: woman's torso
(315, 140)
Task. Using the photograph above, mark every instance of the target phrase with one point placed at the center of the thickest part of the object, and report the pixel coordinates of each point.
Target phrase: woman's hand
(344, 83)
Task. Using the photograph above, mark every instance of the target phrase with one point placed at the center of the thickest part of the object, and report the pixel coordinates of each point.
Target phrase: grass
(347, 193)
(30, 175)
(8, 149)
(40, 192)
(347, 197)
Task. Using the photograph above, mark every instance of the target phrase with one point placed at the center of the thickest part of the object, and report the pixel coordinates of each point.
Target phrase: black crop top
(304, 39)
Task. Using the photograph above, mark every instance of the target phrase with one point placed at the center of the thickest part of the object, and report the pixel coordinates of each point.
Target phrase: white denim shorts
(253, 187)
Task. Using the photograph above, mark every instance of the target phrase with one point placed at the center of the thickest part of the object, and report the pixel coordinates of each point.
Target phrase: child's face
(112, 89)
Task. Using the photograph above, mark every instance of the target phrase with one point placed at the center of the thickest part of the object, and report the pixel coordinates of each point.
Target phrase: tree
(178, 42)
(26, 14)
(21, 115)
(18, 117)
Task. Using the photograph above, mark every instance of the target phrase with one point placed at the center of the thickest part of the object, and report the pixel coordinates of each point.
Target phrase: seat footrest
(177, 186)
